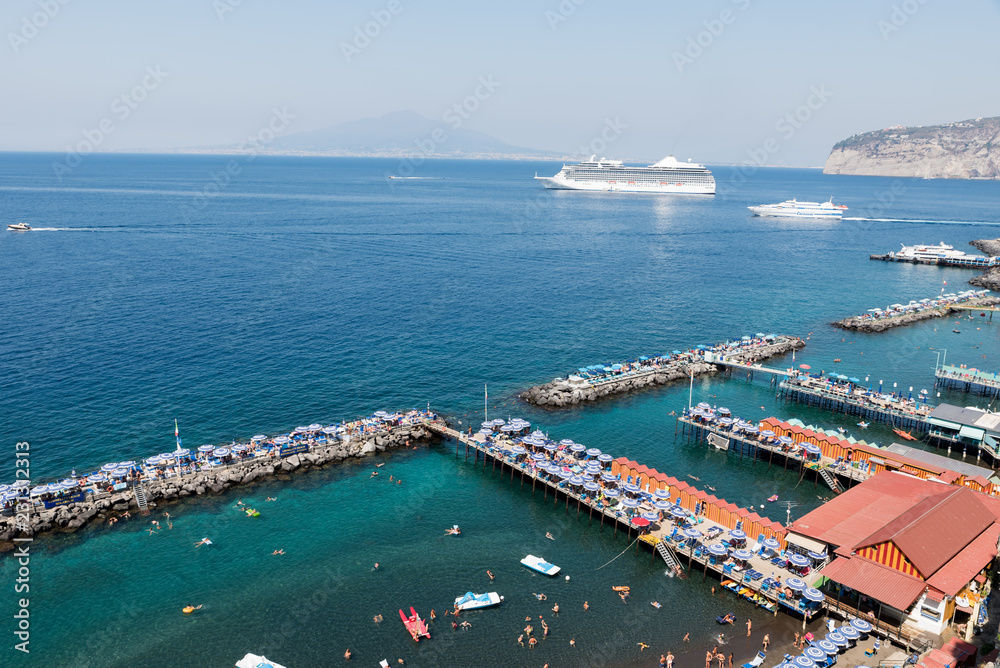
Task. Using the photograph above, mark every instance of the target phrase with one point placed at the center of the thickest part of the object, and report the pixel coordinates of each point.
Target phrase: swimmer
(540, 597)
(126, 515)
(390, 477)
(152, 531)
(433, 616)
(549, 536)
(271, 498)
(347, 655)
(378, 619)
(555, 608)
(466, 625)
(520, 640)
(572, 642)
(399, 482)
(642, 646)
(191, 608)
(374, 473)
(687, 637)
(203, 541)
(532, 642)
(656, 605)
(490, 574)
(586, 606)
(239, 502)
(375, 567)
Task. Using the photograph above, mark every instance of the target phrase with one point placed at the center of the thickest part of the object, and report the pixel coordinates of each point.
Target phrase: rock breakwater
(874, 325)
(104, 505)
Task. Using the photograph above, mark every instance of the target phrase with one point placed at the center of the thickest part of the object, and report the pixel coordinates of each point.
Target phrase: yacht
(18, 227)
(796, 209)
(666, 176)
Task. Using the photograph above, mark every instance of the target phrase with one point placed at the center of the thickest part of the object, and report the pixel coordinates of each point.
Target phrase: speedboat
(18, 227)
(795, 209)
(473, 601)
(416, 626)
(540, 565)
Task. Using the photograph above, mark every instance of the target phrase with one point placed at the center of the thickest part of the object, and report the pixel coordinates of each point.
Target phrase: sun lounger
(756, 661)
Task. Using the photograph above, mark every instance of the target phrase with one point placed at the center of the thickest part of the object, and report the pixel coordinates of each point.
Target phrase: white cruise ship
(796, 209)
(667, 176)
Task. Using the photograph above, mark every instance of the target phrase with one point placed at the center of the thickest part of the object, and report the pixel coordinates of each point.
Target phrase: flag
(177, 434)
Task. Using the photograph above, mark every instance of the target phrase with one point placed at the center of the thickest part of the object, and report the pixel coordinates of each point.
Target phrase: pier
(968, 380)
(971, 261)
(850, 398)
(685, 526)
(897, 315)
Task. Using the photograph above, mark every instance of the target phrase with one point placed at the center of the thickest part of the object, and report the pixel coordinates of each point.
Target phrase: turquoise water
(311, 290)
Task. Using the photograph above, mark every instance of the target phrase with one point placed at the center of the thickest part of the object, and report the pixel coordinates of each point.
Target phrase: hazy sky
(562, 70)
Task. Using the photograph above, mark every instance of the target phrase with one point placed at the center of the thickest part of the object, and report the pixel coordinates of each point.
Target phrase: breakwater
(898, 315)
(599, 381)
(94, 498)
(989, 279)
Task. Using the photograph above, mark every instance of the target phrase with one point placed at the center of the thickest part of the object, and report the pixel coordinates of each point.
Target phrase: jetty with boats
(941, 255)
(602, 380)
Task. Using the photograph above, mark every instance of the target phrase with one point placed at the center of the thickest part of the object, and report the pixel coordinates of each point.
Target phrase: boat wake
(926, 222)
(70, 229)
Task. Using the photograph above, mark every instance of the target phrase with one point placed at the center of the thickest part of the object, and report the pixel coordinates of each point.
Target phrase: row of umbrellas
(817, 654)
(704, 410)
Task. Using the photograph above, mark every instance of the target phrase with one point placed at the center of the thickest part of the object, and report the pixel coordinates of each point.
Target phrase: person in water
(375, 567)
(490, 574)
(191, 608)
(549, 536)
(347, 654)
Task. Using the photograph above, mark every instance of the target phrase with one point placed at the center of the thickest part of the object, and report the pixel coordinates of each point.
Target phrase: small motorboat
(416, 626)
(18, 227)
(473, 601)
(728, 618)
(904, 434)
(772, 499)
(540, 565)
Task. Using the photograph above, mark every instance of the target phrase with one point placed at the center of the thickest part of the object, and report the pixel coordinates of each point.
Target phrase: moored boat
(415, 625)
(540, 565)
(473, 601)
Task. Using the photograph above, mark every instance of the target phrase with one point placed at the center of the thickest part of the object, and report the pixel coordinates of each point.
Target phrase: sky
(720, 81)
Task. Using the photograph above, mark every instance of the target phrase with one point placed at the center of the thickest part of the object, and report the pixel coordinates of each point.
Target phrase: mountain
(398, 134)
(964, 150)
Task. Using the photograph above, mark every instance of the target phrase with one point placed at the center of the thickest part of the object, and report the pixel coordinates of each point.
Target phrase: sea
(251, 294)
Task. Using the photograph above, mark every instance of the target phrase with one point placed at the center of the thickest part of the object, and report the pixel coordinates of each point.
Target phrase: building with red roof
(910, 554)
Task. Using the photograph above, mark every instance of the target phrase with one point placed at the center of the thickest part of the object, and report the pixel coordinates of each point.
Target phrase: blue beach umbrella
(663, 505)
(752, 430)
(281, 440)
(802, 661)
(100, 477)
(737, 534)
(107, 468)
(120, 473)
(183, 452)
(612, 493)
(849, 632)
(591, 486)
(816, 556)
(631, 489)
(827, 647)
(704, 404)
(223, 452)
(652, 517)
(795, 584)
(785, 440)
(812, 449)
(691, 533)
(770, 543)
(551, 447)
(815, 653)
(54, 487)
(487, 425)
(630, 503)
(742, 555)
(837, 639)
(262, 437)
(609, 477)
(717, 550)
(766, 432)
(518, 450)
(38, 491)
(576, 480)
(593, 452)
(678, 513)
(861, 625)
(725, 421)
(155, 460)
(206, 448)
(576, 447)
(566, 441)
(604, 458)
(661, 494)
(4, 489)
(68, 483)
(814, 595)
(239, 448)
(798, 560)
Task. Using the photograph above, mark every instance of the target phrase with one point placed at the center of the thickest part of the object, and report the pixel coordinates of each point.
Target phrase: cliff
(965, 150)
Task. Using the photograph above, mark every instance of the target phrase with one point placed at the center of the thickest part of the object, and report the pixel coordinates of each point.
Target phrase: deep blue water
(315, 289)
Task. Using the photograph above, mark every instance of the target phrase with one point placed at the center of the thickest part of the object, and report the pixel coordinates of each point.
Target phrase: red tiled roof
(935, 529)
(880, 582)
(958, 572)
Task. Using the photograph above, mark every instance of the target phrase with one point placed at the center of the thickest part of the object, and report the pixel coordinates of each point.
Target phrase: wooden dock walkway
(968, 380)
(890, 412)
(659, 539)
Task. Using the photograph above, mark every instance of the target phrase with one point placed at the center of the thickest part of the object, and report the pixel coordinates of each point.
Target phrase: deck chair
(757, 660)
(875, 648)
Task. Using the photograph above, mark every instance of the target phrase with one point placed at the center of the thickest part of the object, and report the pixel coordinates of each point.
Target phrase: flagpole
(486, 403)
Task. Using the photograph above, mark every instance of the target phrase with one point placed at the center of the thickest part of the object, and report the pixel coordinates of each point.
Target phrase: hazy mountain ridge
(962, 150)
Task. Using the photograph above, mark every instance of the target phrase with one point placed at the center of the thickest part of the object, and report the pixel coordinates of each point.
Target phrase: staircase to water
(830, 480)
(668, 556)
(139, 491)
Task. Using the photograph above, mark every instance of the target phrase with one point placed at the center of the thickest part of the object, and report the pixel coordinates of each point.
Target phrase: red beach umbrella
(640, 522)
(804, 366)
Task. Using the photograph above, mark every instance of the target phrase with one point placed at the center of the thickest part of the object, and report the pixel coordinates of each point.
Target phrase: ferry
(18, 227)
(928, 253)
(666, 176)
(795, 209)
(473, 601)
(540, 565)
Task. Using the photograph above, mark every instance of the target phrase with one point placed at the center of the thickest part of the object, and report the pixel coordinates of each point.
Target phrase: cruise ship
(796, 209)
(666, 176)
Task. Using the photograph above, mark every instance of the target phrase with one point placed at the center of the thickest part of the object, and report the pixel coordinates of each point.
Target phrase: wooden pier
(660, 540)
(839, 402)
(968, 380)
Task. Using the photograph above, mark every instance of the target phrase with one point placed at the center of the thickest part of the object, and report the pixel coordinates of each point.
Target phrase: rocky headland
(989, 279)
(963, 150)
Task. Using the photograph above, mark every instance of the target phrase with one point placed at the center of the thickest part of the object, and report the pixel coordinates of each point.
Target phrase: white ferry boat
(666, 176)
(796, 209)
(941, 251)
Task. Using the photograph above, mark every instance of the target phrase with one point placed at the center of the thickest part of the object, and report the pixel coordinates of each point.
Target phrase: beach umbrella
(725, 421)
(738, 535)
(120, 473)
(767, 432)
(594, 470)
(551, 447)
(155, 460)
(805, 366)
(483, 431)
(239, 448)
(99, 477)
(518, 450)
(704, 405)
(4, 489)
(487, 425)
(55, 486)
(814, 595)
(742, 555)
(770, 543)
(630, 503)
(661, 494)
(631, 489)
(612, 493)
(576, 480)
(849, 632)
(576, 447)
(538, 456)
(498, 422)
(508, 428)
(38, 491)
(304, 429)
(798, 560)
(803, 661)
(206, 448)
(639, 521)
(223, 452)
(68, 483)
(691, 533)
(861, 625)
(676, 352)
(678, 512)
(281, 440)
(593, 452)
(107, 468)
(815, 653)
(183, 452)
(717, 550)
(837, 639)
(854, 380)
(812, 449)
(591, 486)
(663, 505)
(816, 556)
(605, 458)
(795, 584)
(752, 430)
(315, 426)
(566, 441)
(827, 647)
(785, 439)
(262, 437)
(652, 517)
